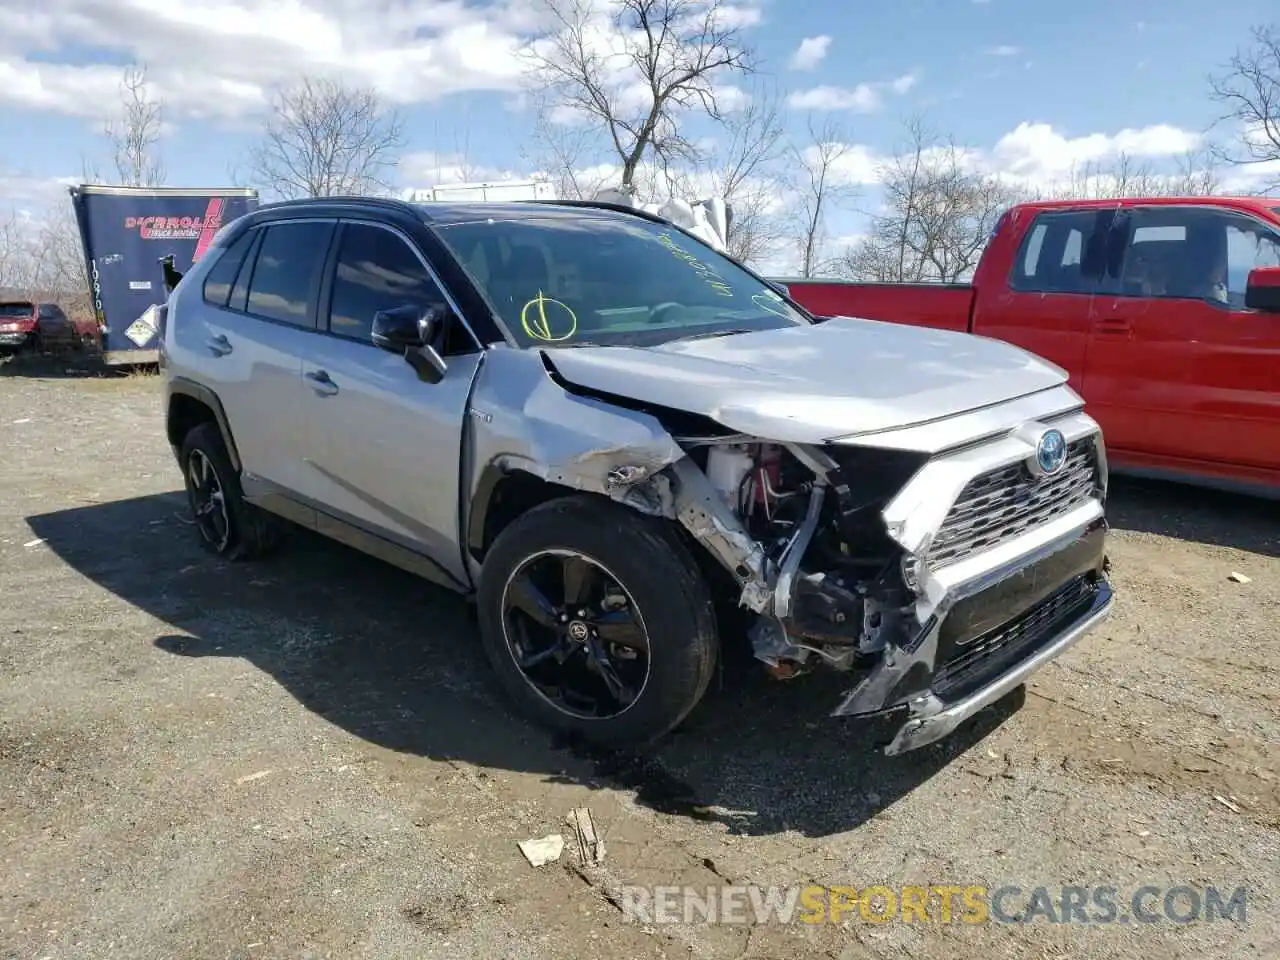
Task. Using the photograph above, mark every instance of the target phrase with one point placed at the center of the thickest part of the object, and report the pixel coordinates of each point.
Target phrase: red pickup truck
(1165, 313)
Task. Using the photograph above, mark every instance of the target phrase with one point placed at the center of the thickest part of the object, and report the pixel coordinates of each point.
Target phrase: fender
(198, 391)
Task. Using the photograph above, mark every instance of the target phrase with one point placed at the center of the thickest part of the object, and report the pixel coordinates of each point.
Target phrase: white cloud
(220, 58)
(1003, 50)
(810, 53)
(864, 98)
(1037, 153)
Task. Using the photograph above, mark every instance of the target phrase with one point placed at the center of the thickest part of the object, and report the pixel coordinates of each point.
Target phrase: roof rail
(607, 205)
(392, 203)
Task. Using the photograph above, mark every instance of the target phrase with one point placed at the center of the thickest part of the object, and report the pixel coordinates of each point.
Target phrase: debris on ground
(590, 844)
(543, 850)
(1239, 578)
(1227, 803)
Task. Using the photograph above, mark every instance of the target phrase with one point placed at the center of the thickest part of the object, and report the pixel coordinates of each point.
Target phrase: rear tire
(649, 601)
(228, 526)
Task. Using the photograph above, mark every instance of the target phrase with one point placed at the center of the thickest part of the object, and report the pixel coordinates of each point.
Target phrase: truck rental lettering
(200, 229)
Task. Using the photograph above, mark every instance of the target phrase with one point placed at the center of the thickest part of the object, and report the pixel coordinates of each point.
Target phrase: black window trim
(325, 300)
(1017, 284)
(1124, 218)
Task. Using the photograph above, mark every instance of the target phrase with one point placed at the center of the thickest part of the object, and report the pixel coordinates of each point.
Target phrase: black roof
(444, 212)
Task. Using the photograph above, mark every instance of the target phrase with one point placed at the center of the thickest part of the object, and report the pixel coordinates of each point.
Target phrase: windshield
(16, 309)
(570, 281)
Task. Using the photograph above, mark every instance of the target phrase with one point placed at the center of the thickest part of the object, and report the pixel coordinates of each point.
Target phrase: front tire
(228, 526)
(597, 621)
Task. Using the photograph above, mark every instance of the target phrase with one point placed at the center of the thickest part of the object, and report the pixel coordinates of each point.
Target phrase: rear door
(388, 456)
(1178, 371)
(1044, 307)
(260, 317)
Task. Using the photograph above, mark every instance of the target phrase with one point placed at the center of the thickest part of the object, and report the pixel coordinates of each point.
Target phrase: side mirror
(411, 331)
(1262, 292)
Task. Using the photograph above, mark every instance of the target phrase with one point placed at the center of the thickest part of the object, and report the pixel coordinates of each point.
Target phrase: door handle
(1113, 327)
(321, 383)
(219, 346)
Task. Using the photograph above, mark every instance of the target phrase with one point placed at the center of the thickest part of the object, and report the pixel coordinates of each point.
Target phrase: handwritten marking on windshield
(536, 323)
(771, 303)
(713, 279)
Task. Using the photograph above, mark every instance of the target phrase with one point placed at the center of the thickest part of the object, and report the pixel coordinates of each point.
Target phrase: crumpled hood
(816, 383)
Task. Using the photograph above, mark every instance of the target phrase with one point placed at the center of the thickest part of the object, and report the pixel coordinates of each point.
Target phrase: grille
(996, 651)
(1005, 503)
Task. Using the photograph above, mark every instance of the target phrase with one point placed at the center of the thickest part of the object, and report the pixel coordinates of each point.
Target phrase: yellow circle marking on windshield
(537, 324)
(771, 304)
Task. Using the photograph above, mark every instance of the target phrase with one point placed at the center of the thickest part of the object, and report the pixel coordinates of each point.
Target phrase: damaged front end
(940, 581)
(937, 574)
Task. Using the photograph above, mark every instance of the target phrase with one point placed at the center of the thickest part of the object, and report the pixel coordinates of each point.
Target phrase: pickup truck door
(1044, 305)
(1178, 371)
(386, 447)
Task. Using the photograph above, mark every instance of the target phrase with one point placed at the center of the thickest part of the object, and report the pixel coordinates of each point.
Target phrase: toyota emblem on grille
(1051, 454)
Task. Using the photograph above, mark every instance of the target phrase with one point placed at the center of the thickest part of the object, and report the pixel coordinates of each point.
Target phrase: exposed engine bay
(834, 579)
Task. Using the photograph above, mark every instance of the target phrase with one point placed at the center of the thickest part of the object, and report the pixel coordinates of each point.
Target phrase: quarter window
(221, 276)
(286, 269)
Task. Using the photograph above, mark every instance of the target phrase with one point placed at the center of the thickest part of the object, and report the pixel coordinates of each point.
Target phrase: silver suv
(630, 450)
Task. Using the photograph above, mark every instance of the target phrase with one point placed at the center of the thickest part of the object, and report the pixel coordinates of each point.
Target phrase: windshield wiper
(715, 333)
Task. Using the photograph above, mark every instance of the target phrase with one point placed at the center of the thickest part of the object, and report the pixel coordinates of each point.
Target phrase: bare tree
(669, 58)
(133, 135)
(743, 169)
(937, 214)
(820, 189)
(325, 139)
(1249, 92)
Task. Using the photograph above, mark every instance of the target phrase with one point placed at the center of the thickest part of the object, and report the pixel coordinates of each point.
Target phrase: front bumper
(987, 636)
(932, 718)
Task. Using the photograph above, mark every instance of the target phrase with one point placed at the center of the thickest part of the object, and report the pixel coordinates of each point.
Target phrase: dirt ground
(304, 757)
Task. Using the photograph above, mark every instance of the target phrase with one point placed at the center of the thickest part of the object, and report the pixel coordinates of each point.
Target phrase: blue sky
(1089, 69)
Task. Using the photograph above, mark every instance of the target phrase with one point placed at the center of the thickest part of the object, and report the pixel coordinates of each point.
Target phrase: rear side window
(283, 284)
(222, 275)
(1059, 254)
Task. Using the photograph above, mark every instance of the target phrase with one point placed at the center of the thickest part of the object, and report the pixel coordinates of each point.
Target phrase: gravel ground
(303, 757)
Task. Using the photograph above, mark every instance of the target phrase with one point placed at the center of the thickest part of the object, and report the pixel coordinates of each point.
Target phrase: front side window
(575, 280)
(1249, 245)
(376, 271)
(286, 269)
(1194, 253)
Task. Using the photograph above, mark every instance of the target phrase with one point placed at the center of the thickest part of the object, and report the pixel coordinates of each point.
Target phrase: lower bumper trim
(933, 719)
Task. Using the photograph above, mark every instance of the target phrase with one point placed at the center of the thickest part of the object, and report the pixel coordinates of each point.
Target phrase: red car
(39, 328)
(1164, 312)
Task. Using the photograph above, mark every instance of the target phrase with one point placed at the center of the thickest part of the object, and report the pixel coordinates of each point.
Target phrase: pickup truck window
(1052, 256)
(23, 310)
(610, 281)
(1191, 253)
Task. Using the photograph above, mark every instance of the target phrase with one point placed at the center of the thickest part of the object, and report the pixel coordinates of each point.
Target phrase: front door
(1044, 307)
(1178, 371)
(389, 454)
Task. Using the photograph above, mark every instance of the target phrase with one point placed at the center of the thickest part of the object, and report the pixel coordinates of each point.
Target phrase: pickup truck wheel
(229, 527)
(597, 621)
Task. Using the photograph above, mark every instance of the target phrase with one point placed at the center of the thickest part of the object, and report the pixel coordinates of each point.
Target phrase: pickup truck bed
(943, 306)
